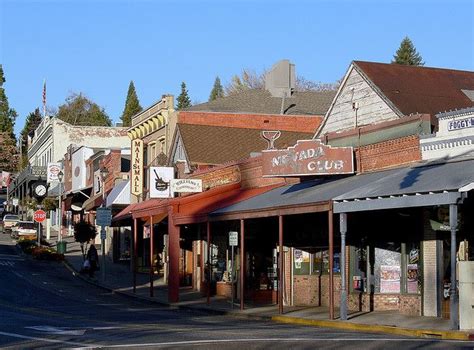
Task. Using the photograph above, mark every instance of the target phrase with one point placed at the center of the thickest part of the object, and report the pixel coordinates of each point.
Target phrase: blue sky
(97, 47)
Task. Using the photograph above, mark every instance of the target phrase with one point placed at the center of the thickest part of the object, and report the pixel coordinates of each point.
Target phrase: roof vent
(280, 80)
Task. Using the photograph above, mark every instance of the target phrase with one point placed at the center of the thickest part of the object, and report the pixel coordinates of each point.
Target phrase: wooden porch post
(173, 278)
(209, 272)
(151, 256)
(134, 257)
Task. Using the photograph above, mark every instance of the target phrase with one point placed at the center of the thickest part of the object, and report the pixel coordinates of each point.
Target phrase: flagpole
(44, 98)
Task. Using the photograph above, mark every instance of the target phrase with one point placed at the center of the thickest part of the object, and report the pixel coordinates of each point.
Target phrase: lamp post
(104, 172)
(60, 216)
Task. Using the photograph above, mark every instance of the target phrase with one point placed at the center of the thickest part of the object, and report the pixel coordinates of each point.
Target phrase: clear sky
(97, 47)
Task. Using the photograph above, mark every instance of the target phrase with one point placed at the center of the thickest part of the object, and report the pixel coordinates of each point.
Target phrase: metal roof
(421, 178)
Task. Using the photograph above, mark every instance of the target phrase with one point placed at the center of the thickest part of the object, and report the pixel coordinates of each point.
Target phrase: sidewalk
(119, 279)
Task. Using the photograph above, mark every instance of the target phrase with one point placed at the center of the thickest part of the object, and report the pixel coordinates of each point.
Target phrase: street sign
(103, 233)
(39, 215)
(15, 202)
(103, 217)
(233, 238)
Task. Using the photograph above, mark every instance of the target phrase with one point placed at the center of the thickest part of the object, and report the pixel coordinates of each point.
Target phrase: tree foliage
(249, 79)
(217, 90)
(79, 110)
(7, 114)
(32, 121)
(84, 232)
(183, 99)
(407, 54)
(132, 106)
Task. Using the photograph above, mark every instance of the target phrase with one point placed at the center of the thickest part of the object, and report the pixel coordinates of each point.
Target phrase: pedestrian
(93, 258)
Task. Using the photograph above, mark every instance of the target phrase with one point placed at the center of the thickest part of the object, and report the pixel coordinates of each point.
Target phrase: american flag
(44, 93)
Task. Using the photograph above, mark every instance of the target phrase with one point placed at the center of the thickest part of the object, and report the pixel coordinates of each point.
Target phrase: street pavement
(45, 305)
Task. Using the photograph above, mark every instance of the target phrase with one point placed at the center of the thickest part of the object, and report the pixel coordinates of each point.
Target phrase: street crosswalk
(9, 259)
(7, 263)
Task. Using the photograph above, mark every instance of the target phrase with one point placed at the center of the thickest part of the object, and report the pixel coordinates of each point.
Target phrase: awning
(150, 207)
(93, 202)
(434, 183)
(195, 208)
(119, 195)
(359, 192)
(124, 214)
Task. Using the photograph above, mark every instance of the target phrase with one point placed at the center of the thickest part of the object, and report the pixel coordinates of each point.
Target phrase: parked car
(25, 229)
(9, 221)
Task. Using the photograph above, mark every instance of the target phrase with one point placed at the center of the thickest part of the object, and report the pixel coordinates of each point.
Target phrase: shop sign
(186, 185)
(308, 157)
(137, 167)
(53, 171)
(461, 124)
(160, 178)
(38, 171)
(389, 279)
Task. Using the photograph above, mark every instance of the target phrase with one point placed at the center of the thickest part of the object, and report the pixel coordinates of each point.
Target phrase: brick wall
(112, 162)
(253, 121)
(387, 154)
(306, 290)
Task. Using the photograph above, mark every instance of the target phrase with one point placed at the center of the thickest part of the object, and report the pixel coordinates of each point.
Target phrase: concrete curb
(358, 327)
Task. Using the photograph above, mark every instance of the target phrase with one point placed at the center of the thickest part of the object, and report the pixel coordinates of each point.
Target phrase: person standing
(93, 258)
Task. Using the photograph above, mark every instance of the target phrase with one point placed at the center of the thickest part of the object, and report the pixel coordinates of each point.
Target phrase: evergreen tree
(407, 54)
(79, 110)
(132, 106)
(7, 114)
(217, 90)
(32, 121)
(183, 99)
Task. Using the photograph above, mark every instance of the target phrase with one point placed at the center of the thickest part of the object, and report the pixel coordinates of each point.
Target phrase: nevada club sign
(137, 167)
(308, 157)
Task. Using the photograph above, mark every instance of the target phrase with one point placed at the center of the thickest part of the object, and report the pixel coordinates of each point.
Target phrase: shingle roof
(260, 101)
(217, 145)
(415, 89)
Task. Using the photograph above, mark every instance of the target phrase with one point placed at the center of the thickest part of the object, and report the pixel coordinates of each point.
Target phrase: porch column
(173, 279)
(281, 274)
(343, 227)
(209, 268)
(453, 302)
(151, 256)
(242, 263)
(331, 262)
(134, 255)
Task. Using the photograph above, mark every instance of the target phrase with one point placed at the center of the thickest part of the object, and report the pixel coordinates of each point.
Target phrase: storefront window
(413, 269)
(301, 265)
(387, 272)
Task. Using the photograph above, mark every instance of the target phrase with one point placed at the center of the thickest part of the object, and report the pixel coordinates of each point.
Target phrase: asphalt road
(43, 305)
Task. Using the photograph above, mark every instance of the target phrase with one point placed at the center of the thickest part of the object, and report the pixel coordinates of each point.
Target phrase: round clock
(40, 190)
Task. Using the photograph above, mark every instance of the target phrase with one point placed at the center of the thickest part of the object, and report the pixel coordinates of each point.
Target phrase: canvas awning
(124, 214)
(93, 202)
(119, 195)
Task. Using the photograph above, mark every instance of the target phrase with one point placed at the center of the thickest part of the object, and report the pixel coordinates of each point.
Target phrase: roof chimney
(280, 80)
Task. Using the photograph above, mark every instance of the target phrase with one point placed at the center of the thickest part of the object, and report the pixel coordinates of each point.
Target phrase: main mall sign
(308, 157)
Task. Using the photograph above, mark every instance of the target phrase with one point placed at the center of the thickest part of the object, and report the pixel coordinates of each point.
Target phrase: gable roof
(207, 144)
(260, 101)
(414, 89)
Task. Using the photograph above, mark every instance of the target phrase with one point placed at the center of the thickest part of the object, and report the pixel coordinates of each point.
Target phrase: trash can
(61, 247)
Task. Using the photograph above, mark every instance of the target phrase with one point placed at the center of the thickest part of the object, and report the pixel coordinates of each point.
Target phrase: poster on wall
(160, 178)
(412, 278)
(389, 279)
(298, 254)
(146, 231)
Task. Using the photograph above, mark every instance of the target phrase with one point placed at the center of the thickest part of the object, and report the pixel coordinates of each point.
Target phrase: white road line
(14, 335)
(247, 340)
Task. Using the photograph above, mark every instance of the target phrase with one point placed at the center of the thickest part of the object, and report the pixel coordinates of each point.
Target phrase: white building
(53, 136)
(454, 138)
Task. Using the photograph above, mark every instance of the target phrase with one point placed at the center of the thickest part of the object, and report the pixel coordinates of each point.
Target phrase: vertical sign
(160, 178)
(137, 167)
(53, 171)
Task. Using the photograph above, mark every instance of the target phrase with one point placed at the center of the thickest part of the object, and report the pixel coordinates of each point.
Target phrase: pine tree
(217, 90)
(132, 106)
(183, 99)
(7, 114)
(407, 54)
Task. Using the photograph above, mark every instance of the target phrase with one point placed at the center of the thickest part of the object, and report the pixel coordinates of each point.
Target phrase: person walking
(93, 258)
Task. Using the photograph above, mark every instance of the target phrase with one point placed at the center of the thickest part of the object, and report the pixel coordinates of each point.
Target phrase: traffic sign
(233, 238)
(103, 217)
(39, 215)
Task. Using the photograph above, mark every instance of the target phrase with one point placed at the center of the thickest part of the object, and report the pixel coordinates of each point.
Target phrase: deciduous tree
(7, 114)
(32, 121)
(79, 110)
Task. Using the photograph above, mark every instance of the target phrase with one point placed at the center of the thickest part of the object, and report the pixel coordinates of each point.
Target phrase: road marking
(14, 335)
(58, 330)
(247, 340)
(6, 263)
(11, 256)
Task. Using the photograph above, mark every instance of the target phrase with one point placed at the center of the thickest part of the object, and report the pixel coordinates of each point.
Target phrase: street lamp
(60, 218)
(104, 172)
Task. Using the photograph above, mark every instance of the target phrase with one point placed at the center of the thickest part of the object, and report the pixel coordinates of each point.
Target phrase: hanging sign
(186, 185)
(160, 178)
(53, 170)
(136, 181)
(308, 157)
